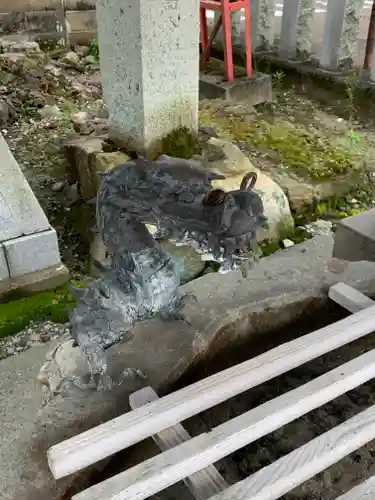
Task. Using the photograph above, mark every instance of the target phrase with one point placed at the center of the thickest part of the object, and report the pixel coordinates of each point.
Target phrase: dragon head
(177, 196)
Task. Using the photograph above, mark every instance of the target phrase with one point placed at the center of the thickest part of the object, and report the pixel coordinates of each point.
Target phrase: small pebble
(287, 243)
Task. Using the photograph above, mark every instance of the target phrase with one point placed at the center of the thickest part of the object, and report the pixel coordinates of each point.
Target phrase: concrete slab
(8, 224)
(18, 198)
(32, 253)
(20, 401)
(355, 237)
(254, 90)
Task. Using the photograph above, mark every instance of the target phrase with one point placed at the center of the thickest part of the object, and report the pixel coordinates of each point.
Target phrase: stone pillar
(29, 253)
(341, 33)
(262, 20)
(149, 57)
(296, 27)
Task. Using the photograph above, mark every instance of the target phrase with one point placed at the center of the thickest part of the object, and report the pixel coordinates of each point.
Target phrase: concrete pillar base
(255, 89)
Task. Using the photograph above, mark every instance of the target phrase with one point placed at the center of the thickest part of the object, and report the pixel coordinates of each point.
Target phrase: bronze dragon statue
(177, 197)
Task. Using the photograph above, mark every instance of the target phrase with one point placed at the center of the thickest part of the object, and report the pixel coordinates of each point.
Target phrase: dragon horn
(248, 182)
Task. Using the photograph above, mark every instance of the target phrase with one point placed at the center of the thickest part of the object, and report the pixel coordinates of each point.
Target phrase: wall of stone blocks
(49, 19)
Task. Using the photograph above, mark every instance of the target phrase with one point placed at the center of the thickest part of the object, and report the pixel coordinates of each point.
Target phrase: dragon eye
(214, 197)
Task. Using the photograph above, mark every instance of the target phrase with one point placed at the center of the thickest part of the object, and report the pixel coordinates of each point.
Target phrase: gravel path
(35, 334)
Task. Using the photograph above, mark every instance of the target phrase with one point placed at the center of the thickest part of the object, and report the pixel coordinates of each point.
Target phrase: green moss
(18, 314)
(296, 234)
(308, 153)
(180, 143)
(94, 49)
(335, 208)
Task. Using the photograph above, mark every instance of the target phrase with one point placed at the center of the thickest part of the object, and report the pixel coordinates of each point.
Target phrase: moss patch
(306, 152)
(180, 143)
(297, 235)
(50, 305)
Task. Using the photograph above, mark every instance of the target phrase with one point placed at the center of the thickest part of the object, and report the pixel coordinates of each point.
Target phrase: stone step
(355, 238)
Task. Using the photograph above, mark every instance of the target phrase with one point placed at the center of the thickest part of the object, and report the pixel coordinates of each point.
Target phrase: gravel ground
(35, 334)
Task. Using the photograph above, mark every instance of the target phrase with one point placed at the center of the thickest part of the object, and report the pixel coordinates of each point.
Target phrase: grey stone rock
(70, 59)
(287, 243)
(82, 123)
(89, 59)
(188, 261)
(49, 111)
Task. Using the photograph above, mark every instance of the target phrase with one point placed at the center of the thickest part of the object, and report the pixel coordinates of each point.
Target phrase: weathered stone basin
(284, 296)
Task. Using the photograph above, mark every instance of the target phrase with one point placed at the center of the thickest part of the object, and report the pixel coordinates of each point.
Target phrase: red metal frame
(225, 7)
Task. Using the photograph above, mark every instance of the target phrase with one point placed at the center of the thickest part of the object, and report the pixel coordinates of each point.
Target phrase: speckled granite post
(341, 33)
(295, 36)
(262, 18)
(149, 68)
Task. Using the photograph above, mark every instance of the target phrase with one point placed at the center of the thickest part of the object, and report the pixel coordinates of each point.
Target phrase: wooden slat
(290, 471)
(349, 298)
(203, 484)
(113, 436)
(161, 471)
(361, 492)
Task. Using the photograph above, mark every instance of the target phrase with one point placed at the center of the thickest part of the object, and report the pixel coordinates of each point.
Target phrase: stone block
(39, 281)
(150, 88)
(104, 162)
(28, 5)
(32, 253)
(254, 90)
(84, 20)
(4, 270)
(8, 224)
(355, 237)
(81, 154)
(17, 195)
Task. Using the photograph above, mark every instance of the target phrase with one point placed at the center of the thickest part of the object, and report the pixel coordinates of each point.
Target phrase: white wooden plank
(290, 471)
(364, 491)
(113, 436)
(203, 484)
(349, 298)
(161, 471)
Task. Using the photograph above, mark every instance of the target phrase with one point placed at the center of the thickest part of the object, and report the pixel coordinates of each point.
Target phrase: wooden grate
(191, 459)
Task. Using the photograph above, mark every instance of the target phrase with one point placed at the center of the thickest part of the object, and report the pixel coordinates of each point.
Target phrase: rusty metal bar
(214, 32)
